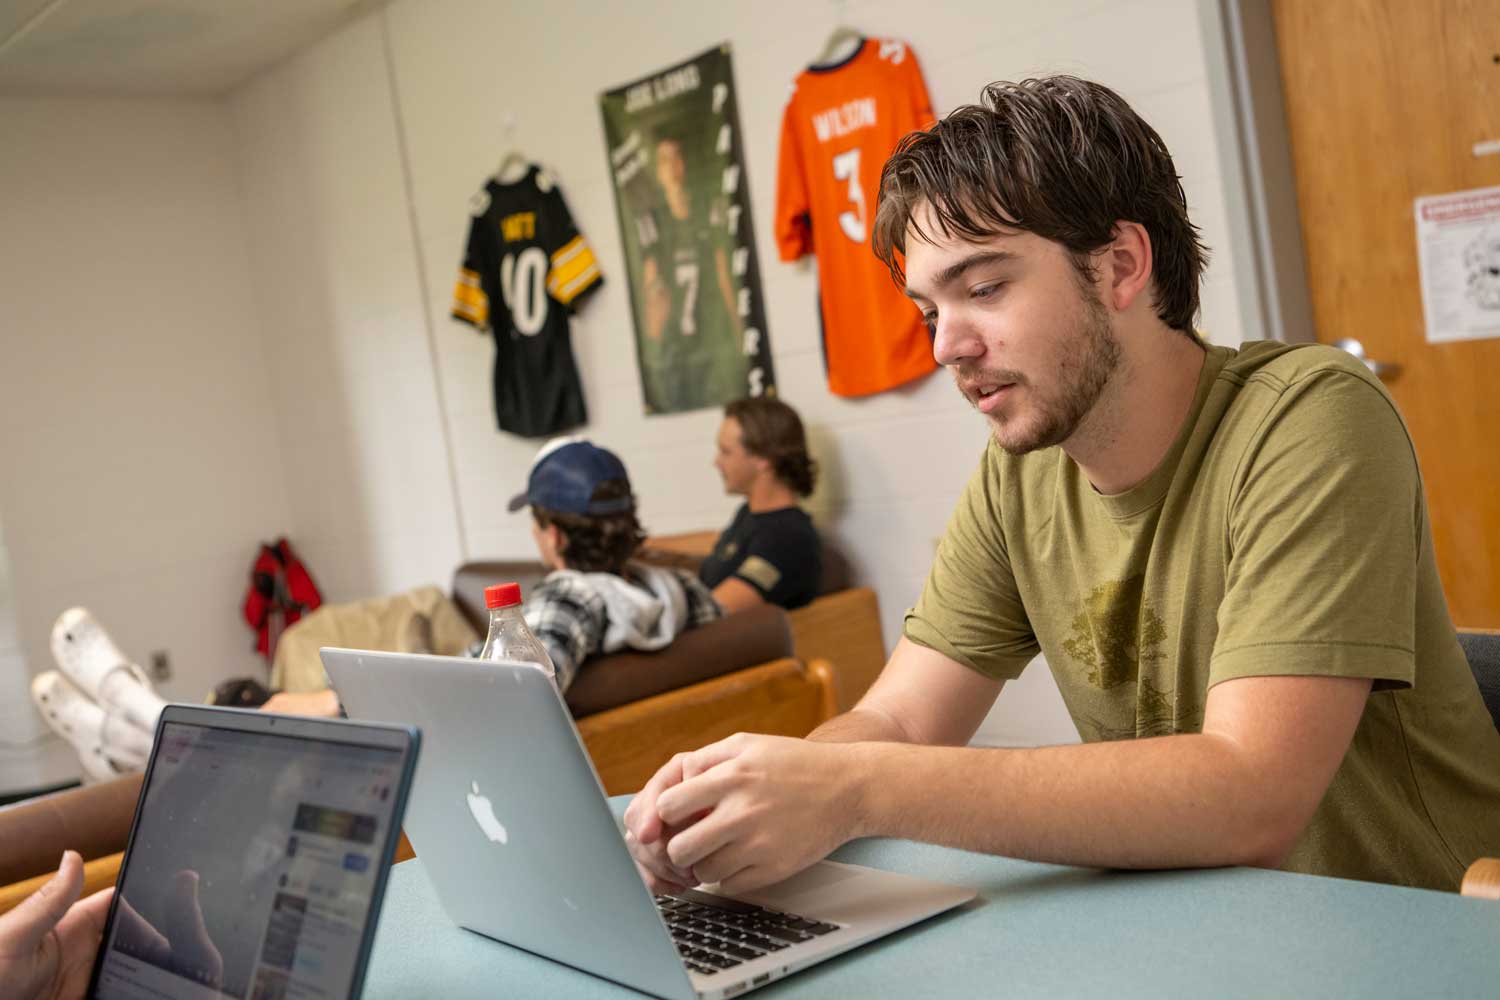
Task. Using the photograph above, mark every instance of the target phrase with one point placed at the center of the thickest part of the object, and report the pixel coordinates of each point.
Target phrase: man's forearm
(860, 725)
(1175, 801)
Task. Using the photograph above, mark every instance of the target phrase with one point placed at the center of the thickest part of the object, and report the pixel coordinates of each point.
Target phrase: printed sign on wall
(1458, 239)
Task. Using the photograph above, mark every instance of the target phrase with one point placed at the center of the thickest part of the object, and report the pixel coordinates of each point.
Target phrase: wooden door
(1385, 102)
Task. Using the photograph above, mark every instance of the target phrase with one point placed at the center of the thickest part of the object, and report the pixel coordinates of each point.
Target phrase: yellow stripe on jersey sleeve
(568, 250)
(570, 291)
(573, 270)
(470, 304)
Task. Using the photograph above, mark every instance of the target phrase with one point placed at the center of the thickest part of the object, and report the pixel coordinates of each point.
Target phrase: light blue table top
(1042, 931)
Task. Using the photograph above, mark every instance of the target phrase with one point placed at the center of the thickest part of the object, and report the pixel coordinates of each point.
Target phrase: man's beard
(1080, 380)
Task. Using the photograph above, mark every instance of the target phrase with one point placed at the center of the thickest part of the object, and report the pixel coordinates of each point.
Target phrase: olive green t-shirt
(1285, 533)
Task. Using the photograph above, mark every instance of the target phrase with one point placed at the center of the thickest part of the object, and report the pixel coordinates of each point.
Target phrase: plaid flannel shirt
(570, 618)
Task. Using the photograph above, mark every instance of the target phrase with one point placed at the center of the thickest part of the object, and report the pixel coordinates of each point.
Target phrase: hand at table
(745, 812)
(647, 836)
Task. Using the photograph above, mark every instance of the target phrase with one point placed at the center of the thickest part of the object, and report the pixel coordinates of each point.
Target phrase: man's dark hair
(772, 430)
(597, 543)
(1060, 157)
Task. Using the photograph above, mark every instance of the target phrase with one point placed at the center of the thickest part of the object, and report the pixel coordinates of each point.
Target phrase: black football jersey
(527, 257)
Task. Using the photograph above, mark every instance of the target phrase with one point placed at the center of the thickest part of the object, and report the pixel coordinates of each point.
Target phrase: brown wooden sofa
(841, 625)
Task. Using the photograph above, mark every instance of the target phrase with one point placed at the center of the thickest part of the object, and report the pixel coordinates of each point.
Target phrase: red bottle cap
(502, 595)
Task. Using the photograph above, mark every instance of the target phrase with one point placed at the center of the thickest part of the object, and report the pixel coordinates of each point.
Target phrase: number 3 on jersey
(523, 280)
(846, 168)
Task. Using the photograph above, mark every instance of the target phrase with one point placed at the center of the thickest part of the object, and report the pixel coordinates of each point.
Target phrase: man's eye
(985, 291)
(930, 318)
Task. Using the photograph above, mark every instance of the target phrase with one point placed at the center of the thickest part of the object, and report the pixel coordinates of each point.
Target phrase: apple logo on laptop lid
(484, 815)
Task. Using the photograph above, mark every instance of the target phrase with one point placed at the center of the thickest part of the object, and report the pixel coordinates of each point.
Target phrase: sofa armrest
(93, 820)
(685, 551)
(100, 873)
(782, 698)
(843, 627)
(688, 543)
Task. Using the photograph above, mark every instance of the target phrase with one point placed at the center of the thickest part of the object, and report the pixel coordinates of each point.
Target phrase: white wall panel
(137, 426)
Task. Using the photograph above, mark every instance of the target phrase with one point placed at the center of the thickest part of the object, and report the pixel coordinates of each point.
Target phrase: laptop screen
(252, 867)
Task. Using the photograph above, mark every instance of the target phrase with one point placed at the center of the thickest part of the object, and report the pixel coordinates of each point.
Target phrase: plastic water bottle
(509, 637)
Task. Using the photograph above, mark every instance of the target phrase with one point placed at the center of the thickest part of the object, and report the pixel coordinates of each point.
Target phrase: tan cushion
(418, 621)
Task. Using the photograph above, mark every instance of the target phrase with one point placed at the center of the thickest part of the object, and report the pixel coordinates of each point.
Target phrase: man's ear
(763, 465)
(1126, 266)
(557, 537)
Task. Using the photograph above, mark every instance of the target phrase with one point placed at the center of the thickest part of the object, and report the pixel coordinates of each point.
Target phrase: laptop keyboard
(713, 933)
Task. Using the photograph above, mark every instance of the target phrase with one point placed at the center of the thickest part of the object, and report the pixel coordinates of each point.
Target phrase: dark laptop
(257, 859)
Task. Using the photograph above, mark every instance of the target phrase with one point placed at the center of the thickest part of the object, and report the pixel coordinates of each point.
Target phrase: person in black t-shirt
(770, 552)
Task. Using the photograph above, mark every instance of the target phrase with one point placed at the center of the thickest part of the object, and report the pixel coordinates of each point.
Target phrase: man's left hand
(773, 805)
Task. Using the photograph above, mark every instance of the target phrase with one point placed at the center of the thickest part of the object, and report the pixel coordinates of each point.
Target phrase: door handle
(1380, 369)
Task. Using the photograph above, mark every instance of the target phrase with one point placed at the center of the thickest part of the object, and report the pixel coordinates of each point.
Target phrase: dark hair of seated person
(597, 543)
(771, 429)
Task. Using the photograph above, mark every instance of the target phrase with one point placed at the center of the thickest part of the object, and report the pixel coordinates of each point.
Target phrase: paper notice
(1458, 243)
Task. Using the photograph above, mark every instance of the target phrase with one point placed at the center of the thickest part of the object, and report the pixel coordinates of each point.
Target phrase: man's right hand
(938, 700)
(647, 837)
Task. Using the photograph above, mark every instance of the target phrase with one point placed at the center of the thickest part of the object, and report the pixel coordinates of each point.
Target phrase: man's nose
(955, 341)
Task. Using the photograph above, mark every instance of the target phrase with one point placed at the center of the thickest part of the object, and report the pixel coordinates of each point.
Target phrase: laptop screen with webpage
(254, 863)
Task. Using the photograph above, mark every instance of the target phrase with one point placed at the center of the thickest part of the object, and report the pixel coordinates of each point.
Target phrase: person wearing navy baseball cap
(565, 474)
(597, 598)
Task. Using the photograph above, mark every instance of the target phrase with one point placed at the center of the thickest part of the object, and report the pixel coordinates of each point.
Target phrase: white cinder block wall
(137, 436)
(355, 251)
(339, 307)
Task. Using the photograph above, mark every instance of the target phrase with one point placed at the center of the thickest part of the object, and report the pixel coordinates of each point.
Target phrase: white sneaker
(70, 713)
(92, 661)
(126, 746)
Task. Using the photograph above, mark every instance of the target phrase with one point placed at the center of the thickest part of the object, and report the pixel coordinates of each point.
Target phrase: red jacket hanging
(281, 591)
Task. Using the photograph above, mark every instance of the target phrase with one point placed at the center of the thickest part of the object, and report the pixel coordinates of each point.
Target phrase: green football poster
(675, 155)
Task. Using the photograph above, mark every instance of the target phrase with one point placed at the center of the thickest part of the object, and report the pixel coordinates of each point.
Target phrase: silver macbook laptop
(257, 858)
(518, 840)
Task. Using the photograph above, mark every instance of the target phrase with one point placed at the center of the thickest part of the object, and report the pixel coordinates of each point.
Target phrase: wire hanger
(513, 164)
(842, 42)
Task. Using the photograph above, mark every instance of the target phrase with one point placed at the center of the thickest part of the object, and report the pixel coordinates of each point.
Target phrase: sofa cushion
(743, 640)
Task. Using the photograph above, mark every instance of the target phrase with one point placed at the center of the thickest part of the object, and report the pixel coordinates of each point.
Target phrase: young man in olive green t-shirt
(1223, 555)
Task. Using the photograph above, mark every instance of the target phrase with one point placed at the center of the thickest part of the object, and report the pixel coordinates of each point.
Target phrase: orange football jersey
(841, 123)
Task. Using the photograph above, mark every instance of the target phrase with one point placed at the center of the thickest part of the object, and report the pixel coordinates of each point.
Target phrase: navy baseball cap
(564, 475)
